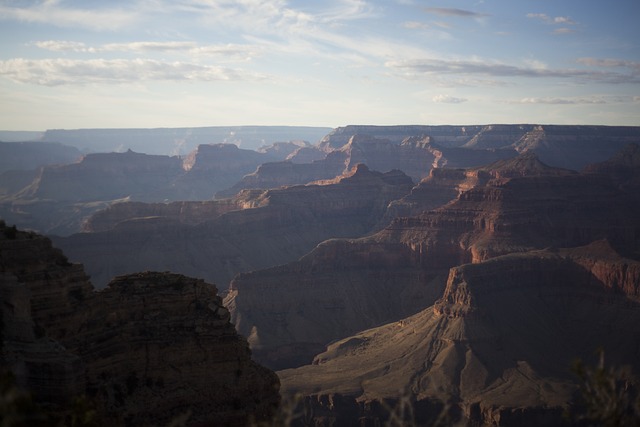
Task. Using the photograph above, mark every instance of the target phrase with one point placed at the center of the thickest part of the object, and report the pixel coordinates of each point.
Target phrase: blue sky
(163, 63)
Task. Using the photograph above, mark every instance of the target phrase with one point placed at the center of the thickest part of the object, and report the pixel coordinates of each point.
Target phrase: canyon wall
(149, 348)
(495, 349)
(279, 226)
(511, 206)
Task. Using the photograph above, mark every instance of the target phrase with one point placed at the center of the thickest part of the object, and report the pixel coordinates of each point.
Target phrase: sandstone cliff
(150, 347)
(497, 346)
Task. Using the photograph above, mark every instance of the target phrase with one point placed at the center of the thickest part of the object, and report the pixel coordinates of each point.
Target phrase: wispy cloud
(228, 51)
(53, 12)
(608, 62)
(584, 100)
(446, 99)
(564, 21)
(55, 72)
(560, 101)
(433, 67)
(557, 20)
(445, 11)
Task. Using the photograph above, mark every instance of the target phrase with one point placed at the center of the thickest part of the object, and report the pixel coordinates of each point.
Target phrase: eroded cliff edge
(148, 348)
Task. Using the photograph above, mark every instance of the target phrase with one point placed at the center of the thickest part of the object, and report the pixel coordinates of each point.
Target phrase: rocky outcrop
(159, 345)
(281, 226)
(149, 348)
(55, 286)
(511, 206)
(499, 343)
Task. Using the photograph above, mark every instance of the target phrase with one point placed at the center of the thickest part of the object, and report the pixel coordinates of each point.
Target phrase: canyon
(459, 270)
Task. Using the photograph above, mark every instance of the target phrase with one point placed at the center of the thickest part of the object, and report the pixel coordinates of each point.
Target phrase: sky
(163, 63)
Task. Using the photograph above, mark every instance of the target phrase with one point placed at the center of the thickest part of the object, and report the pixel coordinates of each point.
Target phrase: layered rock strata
(516, 205)
(160, 345)
(277, 227)
(58, 199)
(497, 346)
(149, 349)
(571, 147)
(416, 156)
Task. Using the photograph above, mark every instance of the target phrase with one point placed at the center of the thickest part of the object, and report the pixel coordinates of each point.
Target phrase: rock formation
(498, 344)
(150, 347)
(159, 345)
(571, 147)
(414, 155)
(279, 174)
(511, 206)
(280, 226)
(30, 155)
(59, 198)
(180, 141)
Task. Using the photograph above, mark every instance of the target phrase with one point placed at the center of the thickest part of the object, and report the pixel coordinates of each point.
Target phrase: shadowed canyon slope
(280, 226)
(511, 206)
(148, 348)
(498, 344)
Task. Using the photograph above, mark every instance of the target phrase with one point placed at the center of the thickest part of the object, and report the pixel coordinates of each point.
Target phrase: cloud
(61, 46)
(55, 72)
(584, 100)
(561, 101)
(445, 11)
(558, 20)
(430, 67)
(51, 12)
(620, 63)
(446, 99)
(228, 51)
